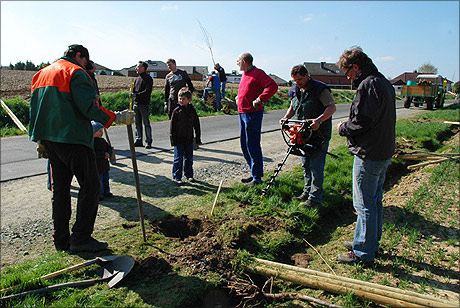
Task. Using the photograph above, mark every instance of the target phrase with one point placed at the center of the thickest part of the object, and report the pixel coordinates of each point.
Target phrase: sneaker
(91, 245)
(254, 183)
(309, 203)
(108, 195)
(178, 182)
(302, 197)
(138, 144)
(348, 245)
(351, 258)
(191, 180)
(246, 180)
(148, 146)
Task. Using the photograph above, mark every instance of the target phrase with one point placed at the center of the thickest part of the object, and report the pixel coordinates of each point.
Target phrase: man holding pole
(62, 105)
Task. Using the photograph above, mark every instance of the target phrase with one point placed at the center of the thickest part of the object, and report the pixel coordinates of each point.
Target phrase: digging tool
(217, 195)
(297, 134)
(134, 162)
(114, 269)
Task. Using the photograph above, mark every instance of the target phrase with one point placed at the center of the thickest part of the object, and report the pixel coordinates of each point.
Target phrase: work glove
(165, 108)
(256, 103)
(124, 117)
(41, 153)
(132, 95)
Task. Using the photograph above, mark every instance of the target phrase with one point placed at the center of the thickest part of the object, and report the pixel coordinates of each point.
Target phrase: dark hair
(171, 60)
(73, 49)
(299, 69)
(353, 55)
(144, 64)
(185, 92)
(90, 65)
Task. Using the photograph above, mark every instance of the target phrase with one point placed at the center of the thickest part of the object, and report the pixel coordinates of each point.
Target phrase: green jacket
(63, 103)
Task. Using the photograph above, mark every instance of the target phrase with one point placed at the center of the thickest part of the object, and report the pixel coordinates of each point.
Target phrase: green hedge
(19, 107)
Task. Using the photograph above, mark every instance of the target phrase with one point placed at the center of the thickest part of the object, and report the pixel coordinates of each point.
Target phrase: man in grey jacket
(370, 132)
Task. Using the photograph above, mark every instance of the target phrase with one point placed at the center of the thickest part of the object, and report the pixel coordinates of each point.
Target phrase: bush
(19, 107)
(456, 87)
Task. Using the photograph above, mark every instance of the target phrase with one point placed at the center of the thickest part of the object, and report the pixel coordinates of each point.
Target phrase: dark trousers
(66, 161)
(183, 161)
(142, 116)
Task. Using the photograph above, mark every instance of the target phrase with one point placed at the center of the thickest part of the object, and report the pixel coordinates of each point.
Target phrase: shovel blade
(116, 269)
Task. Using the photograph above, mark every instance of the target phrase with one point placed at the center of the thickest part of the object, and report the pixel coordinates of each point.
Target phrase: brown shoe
(309, 203)
(348, 245)
(302, 197)
(351, 258)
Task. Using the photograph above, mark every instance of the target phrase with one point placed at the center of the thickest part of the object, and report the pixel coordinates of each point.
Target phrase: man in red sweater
(255, 88)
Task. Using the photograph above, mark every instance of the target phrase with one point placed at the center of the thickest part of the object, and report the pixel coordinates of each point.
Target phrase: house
(156, 69)
(195, 72)
(102, 70)
(235, 77)
(329, 73)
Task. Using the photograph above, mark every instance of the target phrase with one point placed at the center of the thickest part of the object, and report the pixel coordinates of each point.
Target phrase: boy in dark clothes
(103, 151)
(184, 120)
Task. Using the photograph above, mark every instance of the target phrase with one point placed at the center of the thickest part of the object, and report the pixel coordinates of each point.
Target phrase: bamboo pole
(13, 117)
(217, 195)
(427, 300)
(314, 282)
(430, 162)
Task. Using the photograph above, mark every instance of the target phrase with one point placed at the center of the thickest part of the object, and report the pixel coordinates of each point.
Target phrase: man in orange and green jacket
(62, 105)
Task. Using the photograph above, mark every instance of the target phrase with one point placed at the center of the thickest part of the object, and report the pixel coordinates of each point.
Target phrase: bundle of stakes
(428, 157)
(383, 295)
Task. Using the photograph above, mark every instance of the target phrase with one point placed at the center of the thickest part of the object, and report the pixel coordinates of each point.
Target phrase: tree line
(28, 66)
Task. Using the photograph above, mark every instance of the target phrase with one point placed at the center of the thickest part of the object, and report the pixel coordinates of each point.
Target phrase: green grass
(409, 238)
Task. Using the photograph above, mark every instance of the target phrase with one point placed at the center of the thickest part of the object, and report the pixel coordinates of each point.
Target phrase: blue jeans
(216, 92)
(142, 115)
(250, 131)
(368, 178)
(313, 173)
(222, 88)
(104, 182)
(183, 160)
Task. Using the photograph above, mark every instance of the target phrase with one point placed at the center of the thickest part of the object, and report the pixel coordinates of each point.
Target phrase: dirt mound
(153, 266)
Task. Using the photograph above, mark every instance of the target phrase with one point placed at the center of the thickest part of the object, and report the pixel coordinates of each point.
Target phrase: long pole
(134, 162)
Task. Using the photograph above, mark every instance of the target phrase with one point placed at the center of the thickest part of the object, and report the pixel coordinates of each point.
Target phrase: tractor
(428, 88)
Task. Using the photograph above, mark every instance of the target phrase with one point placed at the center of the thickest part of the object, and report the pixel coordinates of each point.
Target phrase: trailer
(428, 88)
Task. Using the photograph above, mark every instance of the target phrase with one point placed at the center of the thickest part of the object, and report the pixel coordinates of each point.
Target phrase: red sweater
(253, 84)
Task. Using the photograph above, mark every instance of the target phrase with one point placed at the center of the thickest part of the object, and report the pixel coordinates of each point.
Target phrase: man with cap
(62, 105)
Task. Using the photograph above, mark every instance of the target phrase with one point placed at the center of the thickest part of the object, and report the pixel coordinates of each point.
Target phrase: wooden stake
(13, 117)
(217, 195)
(320, 256)
(430, 162)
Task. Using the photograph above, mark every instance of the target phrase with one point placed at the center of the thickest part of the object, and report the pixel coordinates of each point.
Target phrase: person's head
(141, 67)
(97, 129)
(352, 61)
(171, 63)
(78, 53)
(185, 96)
(217, 66)
(245, 61)
(299, 74)
(90, 67)
(213, 72)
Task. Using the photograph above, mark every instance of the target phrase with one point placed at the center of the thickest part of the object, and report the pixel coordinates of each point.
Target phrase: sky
(399, 36)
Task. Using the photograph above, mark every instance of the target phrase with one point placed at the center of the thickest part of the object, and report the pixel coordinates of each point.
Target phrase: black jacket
(184, 120)
(100, 148)
(370, 129)
(143, 88)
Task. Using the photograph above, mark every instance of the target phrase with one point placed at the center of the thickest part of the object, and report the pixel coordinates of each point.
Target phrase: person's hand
(282, 120)
(315, 123)
(165, 108)
(338, 125)
(41, 153)
(256, 103)
(124, 117)
(107, 156)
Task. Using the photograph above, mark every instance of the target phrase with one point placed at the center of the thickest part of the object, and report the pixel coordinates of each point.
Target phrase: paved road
(19, 156)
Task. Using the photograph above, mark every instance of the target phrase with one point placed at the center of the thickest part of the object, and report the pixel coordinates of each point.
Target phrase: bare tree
(427, 68)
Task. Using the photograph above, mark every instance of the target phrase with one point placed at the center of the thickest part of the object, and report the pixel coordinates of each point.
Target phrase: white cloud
(326, 59)
(307, 18)
(169, 7)
(385, 59)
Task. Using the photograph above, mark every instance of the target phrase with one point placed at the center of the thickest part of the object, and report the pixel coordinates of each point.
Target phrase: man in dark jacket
(175, 80)
(222, 77)
(142, 90)
(370, 132)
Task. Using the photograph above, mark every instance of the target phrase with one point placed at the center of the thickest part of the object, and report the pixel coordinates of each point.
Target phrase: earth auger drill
(301, 141)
